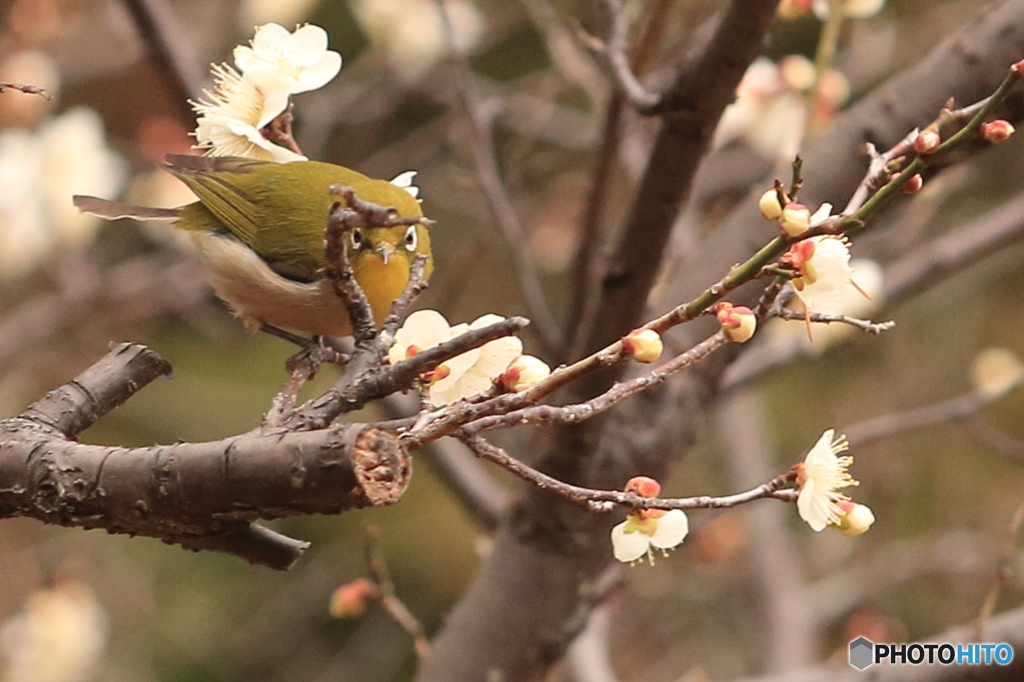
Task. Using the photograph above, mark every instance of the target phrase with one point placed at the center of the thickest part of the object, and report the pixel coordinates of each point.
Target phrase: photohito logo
(864, 653)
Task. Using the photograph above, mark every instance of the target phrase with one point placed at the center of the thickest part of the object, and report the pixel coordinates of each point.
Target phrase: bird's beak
(384, 250)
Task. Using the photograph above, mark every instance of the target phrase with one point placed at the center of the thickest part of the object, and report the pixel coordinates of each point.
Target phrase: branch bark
(197, 495)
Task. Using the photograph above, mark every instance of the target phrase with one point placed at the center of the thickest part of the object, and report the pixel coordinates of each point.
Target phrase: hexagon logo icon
(861, 653)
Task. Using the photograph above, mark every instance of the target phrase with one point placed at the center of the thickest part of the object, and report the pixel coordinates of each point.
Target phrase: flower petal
(628, 547)
(813, 506)
(673, 527)
(308, 44)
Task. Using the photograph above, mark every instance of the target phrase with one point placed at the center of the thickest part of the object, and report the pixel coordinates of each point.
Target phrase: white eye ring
(357, 238)
(411, 238)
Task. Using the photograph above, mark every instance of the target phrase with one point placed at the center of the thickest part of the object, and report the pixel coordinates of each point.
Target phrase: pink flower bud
(854, 518)
(738, 322)
(769, 205)
(789, 10)
(795, 219)
(526, 371)
(350, 600)
(927, 141)
(913, 185)
(996, 131)
(644, 486)
(644, 345)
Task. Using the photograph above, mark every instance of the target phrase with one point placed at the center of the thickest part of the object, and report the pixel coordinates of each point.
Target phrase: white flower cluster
(472, 372)
(39, 171)
(254, 92)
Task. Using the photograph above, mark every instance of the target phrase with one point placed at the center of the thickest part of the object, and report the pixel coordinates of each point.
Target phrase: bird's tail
(112, 210)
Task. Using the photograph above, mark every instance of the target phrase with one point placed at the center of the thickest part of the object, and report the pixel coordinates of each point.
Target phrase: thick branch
(199, 495)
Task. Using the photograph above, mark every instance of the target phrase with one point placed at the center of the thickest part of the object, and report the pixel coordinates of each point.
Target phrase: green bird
(260, 228)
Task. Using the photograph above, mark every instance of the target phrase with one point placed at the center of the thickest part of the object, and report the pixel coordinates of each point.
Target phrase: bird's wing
(229, 203)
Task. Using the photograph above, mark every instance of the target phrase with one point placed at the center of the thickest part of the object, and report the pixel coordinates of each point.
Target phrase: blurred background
(78, 606)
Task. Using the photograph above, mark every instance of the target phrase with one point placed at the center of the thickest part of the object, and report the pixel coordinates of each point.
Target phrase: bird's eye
(411, 238)
(357, 238)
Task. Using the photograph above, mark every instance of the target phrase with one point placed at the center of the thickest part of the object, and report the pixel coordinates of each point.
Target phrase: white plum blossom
(771, 113)
(995, 372)
(76, 160)
(859, 298)
(59, 636)
(404, 180)
(819, 477)
(851, 9)
(39, 171)
(646, 529)
(490, 361)
(422, 329)
(824, 267)
(246, 99)
(465, 375)
(233, 115)
(412, 33)
(298, 61)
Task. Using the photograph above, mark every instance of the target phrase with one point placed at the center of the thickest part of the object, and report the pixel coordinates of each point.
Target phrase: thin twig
(1003, 572)
(27, 89)
(608, 500)
(829, 318)
(394, 606)
(573, 414)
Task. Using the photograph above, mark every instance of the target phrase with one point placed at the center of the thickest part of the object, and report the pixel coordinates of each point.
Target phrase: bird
(259, 226)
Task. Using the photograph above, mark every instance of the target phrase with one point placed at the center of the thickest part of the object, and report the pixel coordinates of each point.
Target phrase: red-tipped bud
(350, 600)
(435, 375)
(769, 205)
(738, 322)
(789, 10)
(644, 486)
(913, 185)
(795, 219)
(927, 141)
(854, 518)
(996, 131)
(526, 371)
(643, 345)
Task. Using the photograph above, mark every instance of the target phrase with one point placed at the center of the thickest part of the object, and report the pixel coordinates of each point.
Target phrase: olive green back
(279, 210)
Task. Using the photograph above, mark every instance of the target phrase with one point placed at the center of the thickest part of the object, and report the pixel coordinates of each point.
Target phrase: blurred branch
(615, 49)
(956, 409)
(791, 638)
(140, 288)
(586, 267)
(1003, 572)
(394, 606)
(572, 63)
(1006, 446)
(153, 21)
(481, 116)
